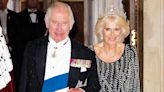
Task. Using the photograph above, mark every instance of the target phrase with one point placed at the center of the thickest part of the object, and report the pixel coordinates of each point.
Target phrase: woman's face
(111, 33)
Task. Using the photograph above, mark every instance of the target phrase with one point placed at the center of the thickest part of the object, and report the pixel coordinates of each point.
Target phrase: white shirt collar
(59, 44)
(32, 10)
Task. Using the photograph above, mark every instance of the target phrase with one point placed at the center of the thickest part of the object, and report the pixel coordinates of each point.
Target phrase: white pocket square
(83, 69)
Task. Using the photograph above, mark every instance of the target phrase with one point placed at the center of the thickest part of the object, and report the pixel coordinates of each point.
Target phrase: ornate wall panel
(153, 46)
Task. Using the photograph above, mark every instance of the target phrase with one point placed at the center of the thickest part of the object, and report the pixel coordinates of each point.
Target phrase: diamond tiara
(114, 7)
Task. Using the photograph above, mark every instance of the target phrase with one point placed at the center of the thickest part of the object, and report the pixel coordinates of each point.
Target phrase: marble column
(153, 46)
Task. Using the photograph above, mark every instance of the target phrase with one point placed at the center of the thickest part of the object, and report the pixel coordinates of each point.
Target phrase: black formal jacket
(29, 30)
(13, 40)
(12, 28)
(33, 68)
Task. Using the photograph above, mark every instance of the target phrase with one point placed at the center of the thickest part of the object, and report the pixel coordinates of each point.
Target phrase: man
(31, 22)
(55, 63)
(32, 26)
(9, 23)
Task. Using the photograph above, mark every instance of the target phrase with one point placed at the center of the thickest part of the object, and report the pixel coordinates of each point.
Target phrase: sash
(56, 83)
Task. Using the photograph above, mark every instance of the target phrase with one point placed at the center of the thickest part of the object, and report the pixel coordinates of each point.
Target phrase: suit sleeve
(24, 70)
(92, 77)
(136, 81)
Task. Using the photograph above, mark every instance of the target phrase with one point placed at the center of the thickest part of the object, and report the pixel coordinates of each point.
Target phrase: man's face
(32, 3)
(59, 24)
(3, 4)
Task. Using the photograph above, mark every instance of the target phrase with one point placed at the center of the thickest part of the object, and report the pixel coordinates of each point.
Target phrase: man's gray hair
(56, 4)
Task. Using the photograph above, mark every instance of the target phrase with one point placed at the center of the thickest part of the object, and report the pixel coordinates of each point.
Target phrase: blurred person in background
(31, 26)
(6, 67)
(10, 30)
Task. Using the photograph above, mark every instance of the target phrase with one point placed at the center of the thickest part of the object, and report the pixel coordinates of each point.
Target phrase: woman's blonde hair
(118, 20)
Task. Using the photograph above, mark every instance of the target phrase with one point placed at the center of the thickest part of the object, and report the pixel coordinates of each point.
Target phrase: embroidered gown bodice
(122, 75)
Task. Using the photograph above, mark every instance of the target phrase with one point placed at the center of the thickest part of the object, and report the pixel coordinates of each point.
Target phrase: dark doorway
(77, 31)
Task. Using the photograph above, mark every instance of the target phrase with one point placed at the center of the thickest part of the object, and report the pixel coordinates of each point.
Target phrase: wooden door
(77, 31)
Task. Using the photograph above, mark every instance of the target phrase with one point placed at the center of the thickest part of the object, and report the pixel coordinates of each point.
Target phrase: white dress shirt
(60, 63)
(33, 16)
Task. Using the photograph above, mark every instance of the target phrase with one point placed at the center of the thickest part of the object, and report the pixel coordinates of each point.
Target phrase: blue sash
(55, 83)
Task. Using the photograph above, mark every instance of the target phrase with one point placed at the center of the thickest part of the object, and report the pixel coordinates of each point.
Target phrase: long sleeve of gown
(136, 82)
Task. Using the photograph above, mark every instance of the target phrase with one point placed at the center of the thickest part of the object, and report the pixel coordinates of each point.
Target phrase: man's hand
(75, 90)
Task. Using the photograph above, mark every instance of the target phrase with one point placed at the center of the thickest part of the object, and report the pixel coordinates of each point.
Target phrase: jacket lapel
(28, 18)
(41, 60)
(74, 73)
(8, 18)
(0, 23)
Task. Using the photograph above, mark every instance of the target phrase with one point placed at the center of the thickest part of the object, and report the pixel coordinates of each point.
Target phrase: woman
(117, 63)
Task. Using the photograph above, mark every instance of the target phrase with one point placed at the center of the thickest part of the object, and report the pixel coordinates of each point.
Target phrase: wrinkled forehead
(60, 11)
(61, 8)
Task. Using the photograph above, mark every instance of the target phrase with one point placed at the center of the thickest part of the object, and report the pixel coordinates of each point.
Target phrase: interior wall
(153, 46)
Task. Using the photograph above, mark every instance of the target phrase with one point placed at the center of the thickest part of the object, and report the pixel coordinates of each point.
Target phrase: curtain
(94, 8)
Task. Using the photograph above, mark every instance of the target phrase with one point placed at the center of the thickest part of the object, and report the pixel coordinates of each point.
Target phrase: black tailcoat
(33, 68)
